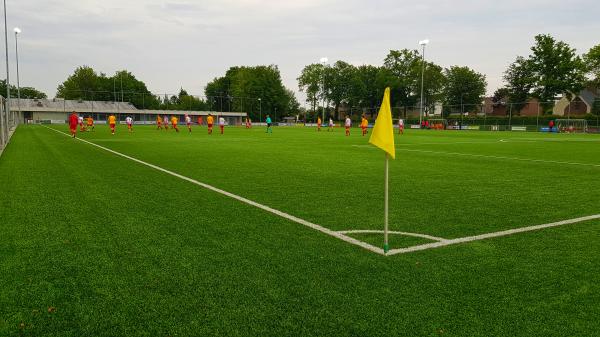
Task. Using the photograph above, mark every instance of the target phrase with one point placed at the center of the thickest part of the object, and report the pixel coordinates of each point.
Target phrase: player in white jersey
(188, 122)
(129, 122)
(348, 124)
(330, 125)
(166, 122)
(401, 126)
(80, 121)
(221, 124)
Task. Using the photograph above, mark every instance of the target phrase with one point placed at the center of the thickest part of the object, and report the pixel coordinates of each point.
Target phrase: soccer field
(249, 233)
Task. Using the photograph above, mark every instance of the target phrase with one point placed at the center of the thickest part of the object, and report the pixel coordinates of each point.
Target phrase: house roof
(61, 105)
(588, 96)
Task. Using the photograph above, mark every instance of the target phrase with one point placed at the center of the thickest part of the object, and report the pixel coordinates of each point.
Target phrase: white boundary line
(239, 198)
(375, 231)
(340, 234)
(490, 235)
(488, 156)
(501, 157)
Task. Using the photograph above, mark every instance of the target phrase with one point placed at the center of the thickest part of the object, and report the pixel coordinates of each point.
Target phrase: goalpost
(571, 125)
(438, 123)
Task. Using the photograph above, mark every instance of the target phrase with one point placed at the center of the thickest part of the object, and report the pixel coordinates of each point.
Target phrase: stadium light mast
(7, 110)
(17, 31)
(260, 108)
(323, 61)
(423, 43)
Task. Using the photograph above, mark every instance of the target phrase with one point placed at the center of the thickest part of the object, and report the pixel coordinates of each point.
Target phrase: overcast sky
(183, 43)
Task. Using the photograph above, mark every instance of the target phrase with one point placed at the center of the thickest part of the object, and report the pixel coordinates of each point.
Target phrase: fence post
(510, 105)
(537, 119)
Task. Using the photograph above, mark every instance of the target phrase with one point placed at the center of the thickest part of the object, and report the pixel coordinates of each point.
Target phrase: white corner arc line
(375, 231)
(239, 198)
(491, 235)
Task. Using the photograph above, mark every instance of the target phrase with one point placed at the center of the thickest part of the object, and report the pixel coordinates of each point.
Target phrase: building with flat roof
(56, 111)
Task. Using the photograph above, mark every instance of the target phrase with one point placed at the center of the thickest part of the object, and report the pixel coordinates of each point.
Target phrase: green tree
(86, 84)
(310, 81)
(26, 92)
(130, 89)
(82, 84)
(520, 80)
(433, 86)
(464, 88)
(401, 72)
(592, 63)
(365, 88)
(241, 87)
(337, 83)
(556, 70)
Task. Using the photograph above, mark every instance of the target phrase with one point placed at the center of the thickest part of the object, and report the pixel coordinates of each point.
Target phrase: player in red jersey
(73, 121)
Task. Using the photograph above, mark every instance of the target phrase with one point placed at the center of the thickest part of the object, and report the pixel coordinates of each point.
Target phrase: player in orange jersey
(90, 123)
(112, 122)
(158, 122)
(364, 123)
(174, 121)
(209, 121)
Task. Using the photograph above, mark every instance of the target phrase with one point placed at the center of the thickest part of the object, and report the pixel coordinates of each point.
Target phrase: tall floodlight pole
(423, 43)
(17, 32)
(260, 108)
(7, 110)
(323, 61)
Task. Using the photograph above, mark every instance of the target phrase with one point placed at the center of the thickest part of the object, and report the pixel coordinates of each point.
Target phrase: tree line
(552, 69)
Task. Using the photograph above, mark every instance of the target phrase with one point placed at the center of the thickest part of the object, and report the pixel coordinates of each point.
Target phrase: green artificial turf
(94, 244)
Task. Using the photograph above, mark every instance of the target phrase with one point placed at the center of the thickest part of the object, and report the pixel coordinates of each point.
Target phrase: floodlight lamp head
(424, 42)
(17, 30)
(324, 60)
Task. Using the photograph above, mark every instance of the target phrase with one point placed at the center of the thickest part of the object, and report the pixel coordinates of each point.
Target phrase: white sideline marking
(237, 197)
(502, 157)
(490, 235)
(418, 235)
(340, 235)
(488, 156)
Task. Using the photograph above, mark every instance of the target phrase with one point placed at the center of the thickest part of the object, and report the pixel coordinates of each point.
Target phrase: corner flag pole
(386, 246)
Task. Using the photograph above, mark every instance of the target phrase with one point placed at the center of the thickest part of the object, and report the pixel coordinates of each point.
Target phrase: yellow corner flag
(383, 131)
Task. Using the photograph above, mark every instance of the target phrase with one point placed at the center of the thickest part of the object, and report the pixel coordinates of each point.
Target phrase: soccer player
(200, 120)
(364, 123)
(129, 122)
(248, 123)
(112, 122)
(330, 125)
(551, 126)
(174, 123)
(221, 124)
(80, 121)
(401, 126)
(269, 122)
(90, 123)
(318, 123)
(73, 120)
(348, 124)
(188, 122)
(166, 122)
(209, 122)
(158, 122)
